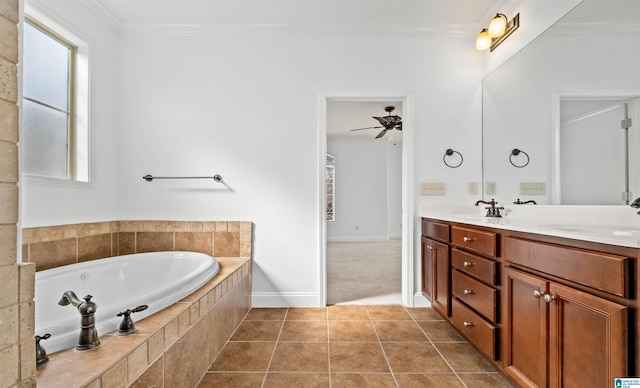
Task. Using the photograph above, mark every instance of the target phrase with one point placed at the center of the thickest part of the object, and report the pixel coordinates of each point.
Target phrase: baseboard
(285, 299)
(420, 301)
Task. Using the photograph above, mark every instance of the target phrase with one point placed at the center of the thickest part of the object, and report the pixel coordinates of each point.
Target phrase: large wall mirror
(553, 114)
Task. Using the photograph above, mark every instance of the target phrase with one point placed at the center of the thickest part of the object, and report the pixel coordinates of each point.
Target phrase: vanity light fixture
(499, 29)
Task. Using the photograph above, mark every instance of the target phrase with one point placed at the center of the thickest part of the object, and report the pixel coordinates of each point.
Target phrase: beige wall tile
(137, 362)
(8, 236)
(221, 226)
(246, 226)
(8, 80)
(209, 226)
(27, 359)
(194, 242)
(156, 345)
(10, 361)
(9, 9)
(116, 377)
(184, 362)
(203, 305)
(221, 326)
(194, 313)
(171, 333)
(9, 326)
(27, 314)
(94, 247)
(95, 384)
(226, 244)
(8, 40)
(126, 243)
(95, 228)
(27, 281)
(152, 377)
(53, 254)
(154, 241)
(8, 203)
(9, 282)
(9, 121)
(233, 226)
(184, 322)
(8, 160)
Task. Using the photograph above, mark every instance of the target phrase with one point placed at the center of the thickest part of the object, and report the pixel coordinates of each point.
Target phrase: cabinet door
(442, 274)
(427, 269)
(587, 339)
(525, 329)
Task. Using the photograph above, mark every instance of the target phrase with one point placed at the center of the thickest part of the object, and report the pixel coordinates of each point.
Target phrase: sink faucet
(88, 338)
(519, 202)
(492, 211)
(636, 204)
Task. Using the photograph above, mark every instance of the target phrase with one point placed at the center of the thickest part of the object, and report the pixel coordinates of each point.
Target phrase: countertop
(615, 225)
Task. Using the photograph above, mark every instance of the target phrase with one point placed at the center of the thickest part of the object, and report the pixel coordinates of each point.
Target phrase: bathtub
(157, 279)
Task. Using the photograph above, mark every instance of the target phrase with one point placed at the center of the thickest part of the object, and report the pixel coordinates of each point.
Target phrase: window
(53, 139)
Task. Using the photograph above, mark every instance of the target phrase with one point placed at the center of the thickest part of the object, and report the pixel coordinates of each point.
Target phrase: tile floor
(348, 346)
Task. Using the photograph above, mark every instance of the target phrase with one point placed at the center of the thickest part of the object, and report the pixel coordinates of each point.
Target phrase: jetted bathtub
(156, 279)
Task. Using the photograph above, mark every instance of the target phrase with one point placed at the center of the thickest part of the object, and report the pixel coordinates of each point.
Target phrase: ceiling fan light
(498, 26)
(483, 41)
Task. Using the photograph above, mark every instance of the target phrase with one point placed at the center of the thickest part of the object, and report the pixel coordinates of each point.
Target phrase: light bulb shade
(498, 26)
(483, 41)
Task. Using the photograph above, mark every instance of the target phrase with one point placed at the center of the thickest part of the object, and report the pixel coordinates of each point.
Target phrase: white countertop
(615, 225)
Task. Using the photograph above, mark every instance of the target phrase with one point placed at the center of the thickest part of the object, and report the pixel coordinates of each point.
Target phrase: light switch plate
(433, 188)
(491, 188)
(532, 188)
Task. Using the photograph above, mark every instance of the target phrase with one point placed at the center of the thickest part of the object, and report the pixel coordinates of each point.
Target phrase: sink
(597, 230)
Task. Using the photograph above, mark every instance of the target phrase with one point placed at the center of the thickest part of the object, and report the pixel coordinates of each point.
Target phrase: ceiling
(343, 116)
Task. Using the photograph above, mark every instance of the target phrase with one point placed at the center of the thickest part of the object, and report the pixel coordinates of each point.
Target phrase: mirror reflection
(561, 101)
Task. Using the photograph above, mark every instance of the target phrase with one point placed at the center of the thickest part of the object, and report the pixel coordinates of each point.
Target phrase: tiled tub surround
(172, 348)
(55, 246)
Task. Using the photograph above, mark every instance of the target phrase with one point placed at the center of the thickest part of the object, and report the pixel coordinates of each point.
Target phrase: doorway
(366, 246)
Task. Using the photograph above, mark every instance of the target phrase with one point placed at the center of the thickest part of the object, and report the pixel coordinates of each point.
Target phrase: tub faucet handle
(41, 354)
(127, 326)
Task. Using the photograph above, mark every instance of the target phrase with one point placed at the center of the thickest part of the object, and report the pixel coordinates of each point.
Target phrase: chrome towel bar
(149, 177)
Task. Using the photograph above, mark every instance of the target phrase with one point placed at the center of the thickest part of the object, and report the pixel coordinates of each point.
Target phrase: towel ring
(516, 152)
(450, 152)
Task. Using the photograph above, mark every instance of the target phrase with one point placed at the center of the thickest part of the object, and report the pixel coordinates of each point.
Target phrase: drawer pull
(468, 324)
(468, 292)
(468, 239)
(467, 264)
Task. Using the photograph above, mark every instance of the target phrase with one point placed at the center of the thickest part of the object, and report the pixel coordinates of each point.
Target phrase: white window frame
(78, 157)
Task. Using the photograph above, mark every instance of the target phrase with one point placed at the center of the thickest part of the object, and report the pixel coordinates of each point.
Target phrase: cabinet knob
(467, 239)
(467, 264)
(548, 298)
(537, 294)
(429, 247)
(468, 324)
(468, 292)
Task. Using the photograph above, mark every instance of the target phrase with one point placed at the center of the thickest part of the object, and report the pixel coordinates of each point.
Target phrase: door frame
(408, 262)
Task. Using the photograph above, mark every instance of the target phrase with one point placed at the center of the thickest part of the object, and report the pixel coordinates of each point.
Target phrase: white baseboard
(285, 299)
(420, 301)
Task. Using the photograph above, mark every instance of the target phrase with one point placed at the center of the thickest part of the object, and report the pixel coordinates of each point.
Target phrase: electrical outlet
(532, 188)
(473, 188)
(433, 188)
(491, 188)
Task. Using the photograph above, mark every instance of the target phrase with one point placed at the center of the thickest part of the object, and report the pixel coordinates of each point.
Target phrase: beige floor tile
(300, 357)
(484, 380)
(304, 331)
(428, 380)
(306, 380)
(307, 314)
(463, 357)
(347, 312)
(388, 312)
(440, 331)
(257, 331)
(356, 380)
(414, 357)
(357, 357)
(399, 331)
(264, 314)
(361, 331)
(244, 357)
(236, 380)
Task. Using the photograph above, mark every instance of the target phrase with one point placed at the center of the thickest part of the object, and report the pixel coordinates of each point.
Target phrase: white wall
(53, 203)
(361, 190)
(394, 189)
(244, 104)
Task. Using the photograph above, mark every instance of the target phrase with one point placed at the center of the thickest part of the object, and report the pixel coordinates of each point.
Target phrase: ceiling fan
(387, 122)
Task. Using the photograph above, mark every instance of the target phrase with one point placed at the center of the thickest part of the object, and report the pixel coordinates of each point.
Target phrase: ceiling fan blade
(360, 129)
(382, 133)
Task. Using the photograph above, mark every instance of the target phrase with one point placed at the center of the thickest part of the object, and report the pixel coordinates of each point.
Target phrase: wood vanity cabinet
(435, 265)
(547, 311)
(556, 335)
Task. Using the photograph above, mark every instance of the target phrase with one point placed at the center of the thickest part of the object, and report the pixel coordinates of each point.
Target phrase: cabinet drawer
(602, 271)
(436, 230)
(475, 240)
(483, 269)
(476, 329)
(478, 295)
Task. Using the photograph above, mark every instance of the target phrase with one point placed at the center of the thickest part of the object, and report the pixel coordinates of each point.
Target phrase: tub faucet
(636, 204)
(88, 338)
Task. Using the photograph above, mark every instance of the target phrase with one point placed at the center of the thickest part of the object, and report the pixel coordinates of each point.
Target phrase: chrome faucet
(492, 211)
(636, 204)
(88, 338)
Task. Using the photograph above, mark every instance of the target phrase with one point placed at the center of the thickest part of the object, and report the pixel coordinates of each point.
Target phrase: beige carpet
(364, 272)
